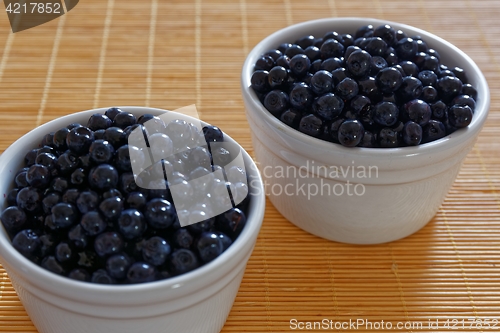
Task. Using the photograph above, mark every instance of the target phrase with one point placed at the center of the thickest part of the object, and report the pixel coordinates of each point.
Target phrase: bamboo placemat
(176, 53)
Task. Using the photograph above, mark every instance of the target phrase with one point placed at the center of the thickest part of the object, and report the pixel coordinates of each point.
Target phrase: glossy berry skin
(29, 199)
(112, 112)
(63, 252)
(59, 139)
(111, 208)
(79, 139)
(312, 52)
(377, 63)
(99, 121)
(101, 151)
(277, 77)
(434, 130)
(209, 246)
(460, 115)
(331, 48)
(464, 100)
(322, 82)
(232, 222)
(376, 46)
(27, 243)
(183, 261)
(410, 88)
(409, 68)
(311, 125)
(46, 159)
(429, 94)
(264, 63)
(387, 33)
(359, 63)
(38, 176)
(182, 238)
(389, 80)
(350, 133)
(159, 213)
(103, 177)
(87, 201)
(67, 162)
(301, 96)
(427, 77)
(124, 119)
(468, 89)
(388, 138)
(406, 48)
(92, 223)
(439, 109)
(291, 117)
(417, 111)
(108, 243)
(347, 89)
(13, 218)
(276, 101)
(328, 106)
(78, 237)
(385, 113)
(449, 86)
(131, 224)
(412, 133)
(100, 276)
(155, 251)
(115, 136)
(64, 215)
(117, 266)
(299, 64)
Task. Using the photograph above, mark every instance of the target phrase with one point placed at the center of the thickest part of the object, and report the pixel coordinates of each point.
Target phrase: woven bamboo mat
(176, 53)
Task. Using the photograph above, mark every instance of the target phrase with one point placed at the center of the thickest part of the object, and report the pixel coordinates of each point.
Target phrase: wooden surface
(169, 54)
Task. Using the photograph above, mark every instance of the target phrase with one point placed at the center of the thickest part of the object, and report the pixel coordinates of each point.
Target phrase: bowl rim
(254, 221)
(272, 40)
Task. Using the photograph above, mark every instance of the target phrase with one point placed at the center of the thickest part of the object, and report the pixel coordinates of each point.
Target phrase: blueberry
(427, 77)
(283, 47)
(468, 89)
(108, 243)
(389, 80)
(30, 157)
(366, 30)
(276, 77)
(183, 261)
(209, 246)
(418, 111)
(78, 237)
(299, 65)
(331, 64)
(63, 252)
(275, 54)
(460, 115)
(311, 125)
(376, 46)
(305, 41)
(225, 239)
(87, 201)
(131, 224)
(136, 200)
(406, 48)
(328, 106)
(359, 63)
(312, 52)
(291, 117)
(46, 159)
(412, 133)
(79, 274)
(71, 195)
(64, 215)
(103, 177)
(140, 272)
(231, 222)
(331, 48)
(101, 151)
(38, 176)
(79, 139)
(385, 113)
(283, 61)
(349, 50)
(182, 238)
(377, 63)
(102, 277)
(99, 121)
(59, 139)
(322, 82)
(29, 199)
(391, 59)
(434, 130)
(93, 223)
(111, 208)
(154, 124)
(67, 162)
(439, 109)
(387, 33)
(338, 75)
(347, 89)
(78, 177)
(159, 213)
(368, 87)
(155, 251)
(369, 140)
(13, 218)
(124, 119)
(429, 94)
(115, 136)
(12, 197)
(350, 133)
(276, 101)
(27, 243)
(48, 139)
(430, 63)
(50, 263)
(388, 138)
(50, 200)
(265, 63)
(464, 100)
(410, 88)
(301, 96)
(117, 266)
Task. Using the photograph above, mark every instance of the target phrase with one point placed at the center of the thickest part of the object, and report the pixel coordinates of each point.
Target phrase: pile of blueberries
(77, 211)
(376, 88)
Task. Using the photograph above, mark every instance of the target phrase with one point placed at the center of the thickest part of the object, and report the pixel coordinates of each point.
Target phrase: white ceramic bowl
(198, 301)
(406, 186)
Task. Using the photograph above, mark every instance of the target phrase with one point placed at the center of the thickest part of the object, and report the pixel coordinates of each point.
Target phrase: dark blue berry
(430, 63)
(101, 151)
(283, 61)
(63, 252)
(48, 139)
(434, 130)
(103, 177)
(427, 77)
(102, 277)
(468, 89)
(99, 121)
(38, 176)
(213, 134)
(30, 157)
(276, 101)
(311, 125)
(277, 77)
(131, 224)
(376, 46)
(359, 63)
(136, 200)
(108, 243)
(160, 213)
(275, 54)
(385, 113)
(406, 48)
(46, 159)
(115, 136)
(364, 30)
(301, 96)
(259, 81)
(410, 88)
(429, 94)
(140, 272)
(377, 63)
(388, 138)
(387, 33)
(59, 139)
(412, 133)
(305, 41)
(12, 197)
(350, 133)
(322, 82)
(67, 162)
(50, 200)
(331, 64)
(155, 251)
(27, 243)
(183, 261)
(87, 201)
(409, 68)
(369, 140)
(71, 195)
(331, 48)
(464, 100)
(328, 106)
(29, 199)
(79, 274)
(50, 263)
(64, 215)
(299, 65)
(418, 111)
(117, 266)
(312, 52)
(209, 246)
(439, 109)
(460, 115)
(388, 80)
(124, 119)
(347, 89)
(232, 222)
(79, 139)
(111, 208)
(13, 218)
(265, 63)
(182, 238)
(93, 223)
(78, 177)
